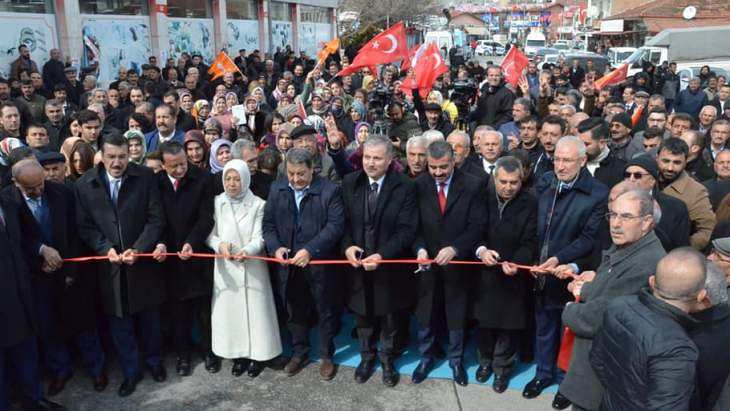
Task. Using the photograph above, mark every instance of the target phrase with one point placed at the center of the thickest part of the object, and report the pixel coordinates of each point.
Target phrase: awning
(614, 33)
(477, 31)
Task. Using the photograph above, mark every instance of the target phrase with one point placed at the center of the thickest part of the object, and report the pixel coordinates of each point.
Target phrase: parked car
(541, 53)
(599, 62)
(489, 48)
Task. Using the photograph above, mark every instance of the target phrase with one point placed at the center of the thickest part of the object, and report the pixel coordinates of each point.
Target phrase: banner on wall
(281, 34)
(312, 36)
(115, 43)
(37, 31)
(192, 36)
(242, 34)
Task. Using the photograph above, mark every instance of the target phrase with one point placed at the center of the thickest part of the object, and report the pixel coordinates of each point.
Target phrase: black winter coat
(390, 287)
(642, 355)
(712, 336)
(494, 106)
(188, 219)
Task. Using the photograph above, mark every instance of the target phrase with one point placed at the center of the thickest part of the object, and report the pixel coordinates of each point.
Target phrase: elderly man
(674, 181)
(380, 223)
(624, 270)
(620, 143)
(490, 146)
(521, 110)
(708, 115)
(719, 187)
(304, 220)
(461, 144)
(642, 355)
(717, 139)
(673, 228)
(416, 156)
(571, 205)
(712, 335)
(305, 137)
(502, 292)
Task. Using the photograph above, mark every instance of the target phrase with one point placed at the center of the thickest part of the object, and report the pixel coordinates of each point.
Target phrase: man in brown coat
(674, 181)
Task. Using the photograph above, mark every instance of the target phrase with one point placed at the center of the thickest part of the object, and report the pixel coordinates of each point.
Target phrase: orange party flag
(330, 47)
(222, 65)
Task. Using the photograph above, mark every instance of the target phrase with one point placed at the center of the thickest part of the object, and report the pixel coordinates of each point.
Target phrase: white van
(534, 41)
(441, 38)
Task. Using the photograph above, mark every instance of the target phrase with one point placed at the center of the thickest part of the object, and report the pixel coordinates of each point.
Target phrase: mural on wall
(242, 34)
(281, 34)
(115, 43)
(37, 31)
(192, 36)
(312, 36)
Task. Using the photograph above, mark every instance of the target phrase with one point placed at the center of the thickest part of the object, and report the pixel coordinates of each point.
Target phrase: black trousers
(498, 348)
(367, 333)
(184, 314)
(303, 309)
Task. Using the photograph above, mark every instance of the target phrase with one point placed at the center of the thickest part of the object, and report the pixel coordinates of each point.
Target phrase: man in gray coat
(624, 270)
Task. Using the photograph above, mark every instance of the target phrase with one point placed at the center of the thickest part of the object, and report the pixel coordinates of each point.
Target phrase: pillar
(264, 26)
(219, 25)
(295, 20)
(159, 35)
(68, 25)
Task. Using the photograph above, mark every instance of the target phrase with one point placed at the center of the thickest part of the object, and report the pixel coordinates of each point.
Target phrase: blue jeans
(23, 360)
(122, 332)
(548, 329)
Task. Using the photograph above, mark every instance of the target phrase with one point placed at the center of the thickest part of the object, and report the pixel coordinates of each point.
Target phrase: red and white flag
(513, 64)
(386, 47)
(428, 68)
(613, 77)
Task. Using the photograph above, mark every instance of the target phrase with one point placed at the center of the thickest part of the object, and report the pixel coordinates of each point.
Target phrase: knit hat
(624, 119)
(646, 162)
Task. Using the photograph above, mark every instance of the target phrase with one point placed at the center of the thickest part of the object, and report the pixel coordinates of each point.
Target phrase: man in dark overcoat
(451, 215)
(380, 223)
(119, 214)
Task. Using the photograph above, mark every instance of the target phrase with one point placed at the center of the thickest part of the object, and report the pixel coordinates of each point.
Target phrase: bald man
(63, 296)
(642, 355)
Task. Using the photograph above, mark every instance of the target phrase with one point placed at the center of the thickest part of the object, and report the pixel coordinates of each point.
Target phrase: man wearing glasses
(673, 227)
(625, 269)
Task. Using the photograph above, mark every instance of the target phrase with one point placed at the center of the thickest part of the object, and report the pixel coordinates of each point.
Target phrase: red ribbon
(531, 268)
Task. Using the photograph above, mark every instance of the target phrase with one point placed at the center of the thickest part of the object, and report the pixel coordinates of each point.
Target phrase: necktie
(491, 169)
(115, 191)
(35, 208)
(373, 198)
(442, 197)
(175, 184)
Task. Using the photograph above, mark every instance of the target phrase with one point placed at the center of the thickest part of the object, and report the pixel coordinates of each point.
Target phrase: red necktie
(176, 184)
(442, 198)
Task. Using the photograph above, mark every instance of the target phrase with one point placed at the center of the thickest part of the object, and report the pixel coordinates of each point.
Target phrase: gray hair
(440, 149)
(568, 107)
(716, 284)
(657, 215)
(380, 140)
(509, 164)
(420, 141)
(240, 145)
(646, 202)
(296, 156)
(433, 135)
(24, 165)
(482, 129)
(524, 102)
(577, 142)
(98, 90)
(711, 108)
(499, 134)
(462, 134)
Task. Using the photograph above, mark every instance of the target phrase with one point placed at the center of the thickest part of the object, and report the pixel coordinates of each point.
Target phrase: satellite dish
(689, 12)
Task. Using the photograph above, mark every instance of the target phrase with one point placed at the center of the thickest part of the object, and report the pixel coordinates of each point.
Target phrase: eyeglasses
(635, 176)
(611, 216)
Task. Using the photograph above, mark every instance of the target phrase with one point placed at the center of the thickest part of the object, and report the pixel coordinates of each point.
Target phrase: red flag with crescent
(386, 47)
(613, 77)
(429, 66)
(513, 64)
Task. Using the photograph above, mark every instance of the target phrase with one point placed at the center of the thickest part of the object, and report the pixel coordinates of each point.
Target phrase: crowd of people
(599, 216)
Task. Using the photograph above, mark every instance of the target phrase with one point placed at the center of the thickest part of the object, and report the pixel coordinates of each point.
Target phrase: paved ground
(273, 390)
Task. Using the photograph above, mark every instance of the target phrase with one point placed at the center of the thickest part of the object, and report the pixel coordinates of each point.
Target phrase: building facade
(124, 33)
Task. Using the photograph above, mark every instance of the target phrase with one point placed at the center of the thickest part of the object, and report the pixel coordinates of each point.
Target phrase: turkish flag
(386, 47)
(428, 67)
(613, 77)
(513, 64)
(413, 55)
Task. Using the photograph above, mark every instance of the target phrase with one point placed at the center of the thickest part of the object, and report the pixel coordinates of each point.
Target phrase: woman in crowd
(138, 121)
(272, 124)
(196, 149)
(72, 128)
(81, 159)
(200, 112)
(244, 323)
(362, 131)
(223, 115)
(220, 154)
(212, 131)
(137, 146)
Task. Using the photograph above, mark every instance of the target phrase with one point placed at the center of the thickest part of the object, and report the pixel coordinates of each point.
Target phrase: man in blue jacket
(691, 100)
(165, 119)
(571, 205)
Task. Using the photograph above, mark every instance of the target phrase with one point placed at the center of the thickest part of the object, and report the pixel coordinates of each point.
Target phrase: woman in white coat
(243, 321)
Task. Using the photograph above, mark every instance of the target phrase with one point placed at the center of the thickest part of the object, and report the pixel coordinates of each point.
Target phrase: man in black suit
(247, 151)
(119, 214)
(380, 223)
(63, 295)
(18, 345)
(451, 215)
(187, 203)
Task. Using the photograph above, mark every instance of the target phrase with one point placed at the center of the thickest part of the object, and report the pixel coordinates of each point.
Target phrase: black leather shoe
(390, 375)
(483, 373)
(44, 404)
(459, 374)
(421, 372)
(183, 366)
(535, 387)
(240, 366)
(57, 385)
(364, 370)
(129, 385)
(158, 372)
(560, 402)
(101, 382)
(500, 383)
(212, 363)
(255, 368)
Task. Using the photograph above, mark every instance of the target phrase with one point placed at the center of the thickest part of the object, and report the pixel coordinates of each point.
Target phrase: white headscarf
(242, 169)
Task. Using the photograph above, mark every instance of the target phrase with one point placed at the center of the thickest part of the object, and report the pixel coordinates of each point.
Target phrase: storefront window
(314, 14)
(125, 7)
(189, 8)
(279, 11)
(242, 9)
(27, 6)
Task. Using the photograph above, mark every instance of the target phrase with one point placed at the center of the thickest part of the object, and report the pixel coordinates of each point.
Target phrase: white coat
(244, 321)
